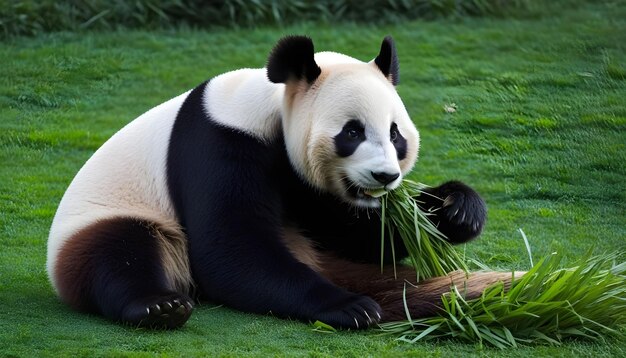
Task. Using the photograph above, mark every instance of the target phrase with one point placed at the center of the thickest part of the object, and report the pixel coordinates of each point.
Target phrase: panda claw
(369, 319)
(356, 322)
(181, 310)
(188, 305)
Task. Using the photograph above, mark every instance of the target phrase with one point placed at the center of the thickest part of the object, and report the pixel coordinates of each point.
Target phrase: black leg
(396, 293)
(114, 268)
(253, 272)
(460, 213)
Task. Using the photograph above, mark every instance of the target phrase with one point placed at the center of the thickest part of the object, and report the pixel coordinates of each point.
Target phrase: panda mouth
(359, 193)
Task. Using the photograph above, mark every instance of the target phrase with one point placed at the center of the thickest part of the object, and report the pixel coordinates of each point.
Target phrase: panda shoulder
(247, 101)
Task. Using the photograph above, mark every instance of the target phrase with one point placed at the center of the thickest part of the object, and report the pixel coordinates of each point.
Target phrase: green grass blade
(530, 254)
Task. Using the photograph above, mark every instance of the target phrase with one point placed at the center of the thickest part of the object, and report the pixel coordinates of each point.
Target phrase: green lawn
(539, 130)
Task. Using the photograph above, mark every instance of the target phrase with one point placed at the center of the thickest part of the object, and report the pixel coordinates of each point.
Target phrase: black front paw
(460, 213)
(352, 311)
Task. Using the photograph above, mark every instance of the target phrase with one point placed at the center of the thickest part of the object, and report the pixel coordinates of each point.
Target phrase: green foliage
(545, 306)
(429, 252)
(30, 17)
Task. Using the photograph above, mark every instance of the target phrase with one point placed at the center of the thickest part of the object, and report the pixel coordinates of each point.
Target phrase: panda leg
(422, 299)
(258, 274)
(114, 267)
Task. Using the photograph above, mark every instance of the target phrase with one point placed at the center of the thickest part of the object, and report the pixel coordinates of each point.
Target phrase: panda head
(345, 128)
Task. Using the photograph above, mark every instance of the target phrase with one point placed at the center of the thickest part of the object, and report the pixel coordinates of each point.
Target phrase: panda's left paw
(166, 311)
(462, 214)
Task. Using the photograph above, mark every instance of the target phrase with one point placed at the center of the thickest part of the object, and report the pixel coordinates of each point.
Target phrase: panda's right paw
(168, 311)
(352, 312)
(459, 211)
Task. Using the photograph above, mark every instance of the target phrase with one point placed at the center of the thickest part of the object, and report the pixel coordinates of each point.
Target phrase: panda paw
(159, 312)
(353, 312)
(461, 215)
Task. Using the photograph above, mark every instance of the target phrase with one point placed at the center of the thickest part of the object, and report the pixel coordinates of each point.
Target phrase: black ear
(387, 60)
(292, 59)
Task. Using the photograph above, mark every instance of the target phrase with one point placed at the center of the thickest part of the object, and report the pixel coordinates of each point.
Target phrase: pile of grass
(30, 17)
(546, 305)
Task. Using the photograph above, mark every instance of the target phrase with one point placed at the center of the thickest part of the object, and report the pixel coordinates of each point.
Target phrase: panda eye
(352, 134)
(394, 133)
(354, 130)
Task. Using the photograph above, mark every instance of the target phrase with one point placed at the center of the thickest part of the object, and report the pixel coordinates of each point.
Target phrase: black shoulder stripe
(199, 151)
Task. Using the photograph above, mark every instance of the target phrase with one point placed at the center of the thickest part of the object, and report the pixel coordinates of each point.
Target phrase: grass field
(539, 129)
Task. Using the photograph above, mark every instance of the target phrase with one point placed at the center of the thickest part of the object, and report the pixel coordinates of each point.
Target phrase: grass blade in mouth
(429, 252)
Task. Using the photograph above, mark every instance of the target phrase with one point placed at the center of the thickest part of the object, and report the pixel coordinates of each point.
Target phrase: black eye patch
(399, 142)
(352, 134)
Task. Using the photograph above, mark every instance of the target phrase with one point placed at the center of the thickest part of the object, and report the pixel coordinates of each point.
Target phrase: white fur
(329, 58)
(246, 100)
(125, 177)
(312, 116)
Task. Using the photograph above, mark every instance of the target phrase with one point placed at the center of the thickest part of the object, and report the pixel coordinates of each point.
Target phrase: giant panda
(253, 190)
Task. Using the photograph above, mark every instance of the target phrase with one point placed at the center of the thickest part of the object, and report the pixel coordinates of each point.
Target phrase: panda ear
(387, 60)
(293, 59)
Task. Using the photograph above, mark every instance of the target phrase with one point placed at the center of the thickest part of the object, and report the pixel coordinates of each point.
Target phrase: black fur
(460, 212)
(216, 173)
(293, 58)
(348, 140)
(334, 226)
(226, 188)
(399, 143)
(387, 60)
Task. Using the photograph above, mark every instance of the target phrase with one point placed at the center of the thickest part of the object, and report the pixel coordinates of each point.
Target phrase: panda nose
(385, 178)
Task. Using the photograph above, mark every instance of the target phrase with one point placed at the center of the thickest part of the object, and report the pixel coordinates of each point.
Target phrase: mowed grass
(539, 129)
